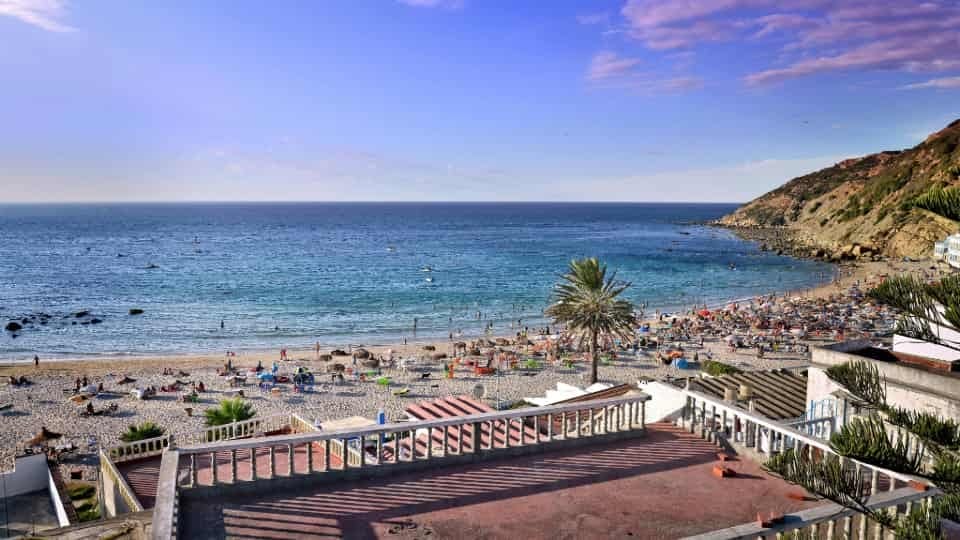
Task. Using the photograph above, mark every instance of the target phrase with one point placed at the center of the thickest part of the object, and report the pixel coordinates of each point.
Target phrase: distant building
(923, 383)
(948, 250)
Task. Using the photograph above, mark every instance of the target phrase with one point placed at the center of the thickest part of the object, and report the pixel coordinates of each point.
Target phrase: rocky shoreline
(785, 241)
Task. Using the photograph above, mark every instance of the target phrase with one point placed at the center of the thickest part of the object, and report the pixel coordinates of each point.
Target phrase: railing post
(309, 457)
(213, 468)
(343, 454)
(291, 470)
(703, 419)
(831, 529)
(848, 527)
(253, 464)
(723, 425)
(233, 466)
(643, 415)
(477, 438)
(193, 470)
(326, 454)
(577, 423)
(536, 428)
(713, 423)
(693, 414)
(273, 462)
(592, 421)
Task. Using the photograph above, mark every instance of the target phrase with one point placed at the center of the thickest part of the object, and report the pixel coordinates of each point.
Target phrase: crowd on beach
(763, 333)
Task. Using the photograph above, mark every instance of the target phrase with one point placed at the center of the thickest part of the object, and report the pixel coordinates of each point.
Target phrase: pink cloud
(815, 36)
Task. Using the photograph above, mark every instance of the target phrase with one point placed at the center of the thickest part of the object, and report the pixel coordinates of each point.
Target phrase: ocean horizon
(212, 277)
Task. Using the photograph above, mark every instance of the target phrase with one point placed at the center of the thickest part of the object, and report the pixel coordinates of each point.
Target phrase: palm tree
(586, 301)
(146, 430)
(230, 411)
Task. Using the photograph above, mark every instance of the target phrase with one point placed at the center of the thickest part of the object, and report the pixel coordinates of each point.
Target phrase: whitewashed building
(948, 250)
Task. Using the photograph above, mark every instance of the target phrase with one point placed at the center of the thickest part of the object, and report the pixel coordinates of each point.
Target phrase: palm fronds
(586, 301)
(146, 430)
(924, 306)
(230, 411)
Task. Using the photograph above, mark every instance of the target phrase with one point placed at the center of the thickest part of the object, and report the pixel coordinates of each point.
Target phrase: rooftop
(662, 484)
(779, 394)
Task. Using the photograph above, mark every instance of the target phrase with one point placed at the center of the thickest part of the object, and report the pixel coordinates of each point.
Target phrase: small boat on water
(429, 280)
(427, 269)
(391, 249)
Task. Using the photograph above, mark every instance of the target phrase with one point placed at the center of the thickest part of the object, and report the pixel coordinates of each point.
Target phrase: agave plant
(587, 301)
(146, 430)
(230, 411)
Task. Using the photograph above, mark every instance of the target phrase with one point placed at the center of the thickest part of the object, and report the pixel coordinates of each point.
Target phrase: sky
(460, 100)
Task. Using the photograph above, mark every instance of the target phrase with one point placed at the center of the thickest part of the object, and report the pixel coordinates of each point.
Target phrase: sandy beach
(45, 402)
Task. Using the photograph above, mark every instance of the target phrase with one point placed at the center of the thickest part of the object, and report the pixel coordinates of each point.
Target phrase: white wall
(62, 517)
(666, 401)
(30, 474)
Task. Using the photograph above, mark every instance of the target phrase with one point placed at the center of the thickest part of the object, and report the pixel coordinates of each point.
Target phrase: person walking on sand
(317, 349)
(36, 360)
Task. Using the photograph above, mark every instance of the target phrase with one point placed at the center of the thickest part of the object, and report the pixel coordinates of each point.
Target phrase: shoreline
(99, 364)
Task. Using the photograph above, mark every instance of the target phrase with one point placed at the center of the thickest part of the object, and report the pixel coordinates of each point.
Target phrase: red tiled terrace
(660, 486)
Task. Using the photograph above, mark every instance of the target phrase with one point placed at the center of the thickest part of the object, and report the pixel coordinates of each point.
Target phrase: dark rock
(13, 326)
(136, 311)
(95, 321)
(81, 314)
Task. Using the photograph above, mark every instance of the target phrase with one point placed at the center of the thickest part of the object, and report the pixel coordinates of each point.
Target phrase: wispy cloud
(944, 82)
(815, 36)
(608, 65)
(602, 17)
(45, 14)
(608, 69)
(448, 4)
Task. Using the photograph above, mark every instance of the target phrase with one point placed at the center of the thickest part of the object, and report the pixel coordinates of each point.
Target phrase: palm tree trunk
(594, 357)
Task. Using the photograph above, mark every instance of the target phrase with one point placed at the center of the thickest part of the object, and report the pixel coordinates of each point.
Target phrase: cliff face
(864, 201)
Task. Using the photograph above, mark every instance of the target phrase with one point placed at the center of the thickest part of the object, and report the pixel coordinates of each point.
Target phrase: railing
(126, 492)
(299, 425)
(140, 449)
(720, 421)
(399, 443)
(821, 428)
(828, 521)
(237, 430)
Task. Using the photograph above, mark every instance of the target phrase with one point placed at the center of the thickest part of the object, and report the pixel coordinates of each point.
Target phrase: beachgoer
(77, 389)
(36, 360)
(221, 324)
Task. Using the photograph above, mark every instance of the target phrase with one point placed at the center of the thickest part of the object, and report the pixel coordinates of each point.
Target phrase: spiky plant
(903, 449)
(926, 308)
(230, 411)
(944, 202)
(587, 301)
(140, 432)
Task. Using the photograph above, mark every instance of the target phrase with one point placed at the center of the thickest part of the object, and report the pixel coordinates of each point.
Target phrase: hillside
(863, 201)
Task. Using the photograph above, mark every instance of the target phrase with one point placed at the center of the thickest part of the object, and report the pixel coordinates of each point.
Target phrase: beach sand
(46, 403)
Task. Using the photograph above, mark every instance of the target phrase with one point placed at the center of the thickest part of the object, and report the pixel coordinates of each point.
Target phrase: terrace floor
(660, 486)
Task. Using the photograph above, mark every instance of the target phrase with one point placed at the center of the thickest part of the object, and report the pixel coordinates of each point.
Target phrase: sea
(216, 277)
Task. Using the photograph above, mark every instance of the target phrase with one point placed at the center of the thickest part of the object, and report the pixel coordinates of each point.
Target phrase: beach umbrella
(43, 436)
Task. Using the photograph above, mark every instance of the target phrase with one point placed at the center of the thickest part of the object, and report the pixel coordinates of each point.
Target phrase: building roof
(779, 394)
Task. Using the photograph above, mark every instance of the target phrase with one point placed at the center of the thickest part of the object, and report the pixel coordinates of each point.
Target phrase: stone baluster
(273, 462)
(344, 465)
(549, 427)
(831, 529)
(577, 424)
(253, 464)
(536, 429)
(310, 457)
(193, 470)
(291, 469)
(213, 468)
(643, 415)
(233, 466)
(477, 438)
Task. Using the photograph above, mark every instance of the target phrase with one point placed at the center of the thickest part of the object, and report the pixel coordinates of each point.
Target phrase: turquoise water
(291, 274)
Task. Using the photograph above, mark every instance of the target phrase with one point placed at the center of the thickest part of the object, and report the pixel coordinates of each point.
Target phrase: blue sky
(669, 100)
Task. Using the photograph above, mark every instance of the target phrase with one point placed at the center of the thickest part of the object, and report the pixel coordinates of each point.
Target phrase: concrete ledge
(264, 486)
